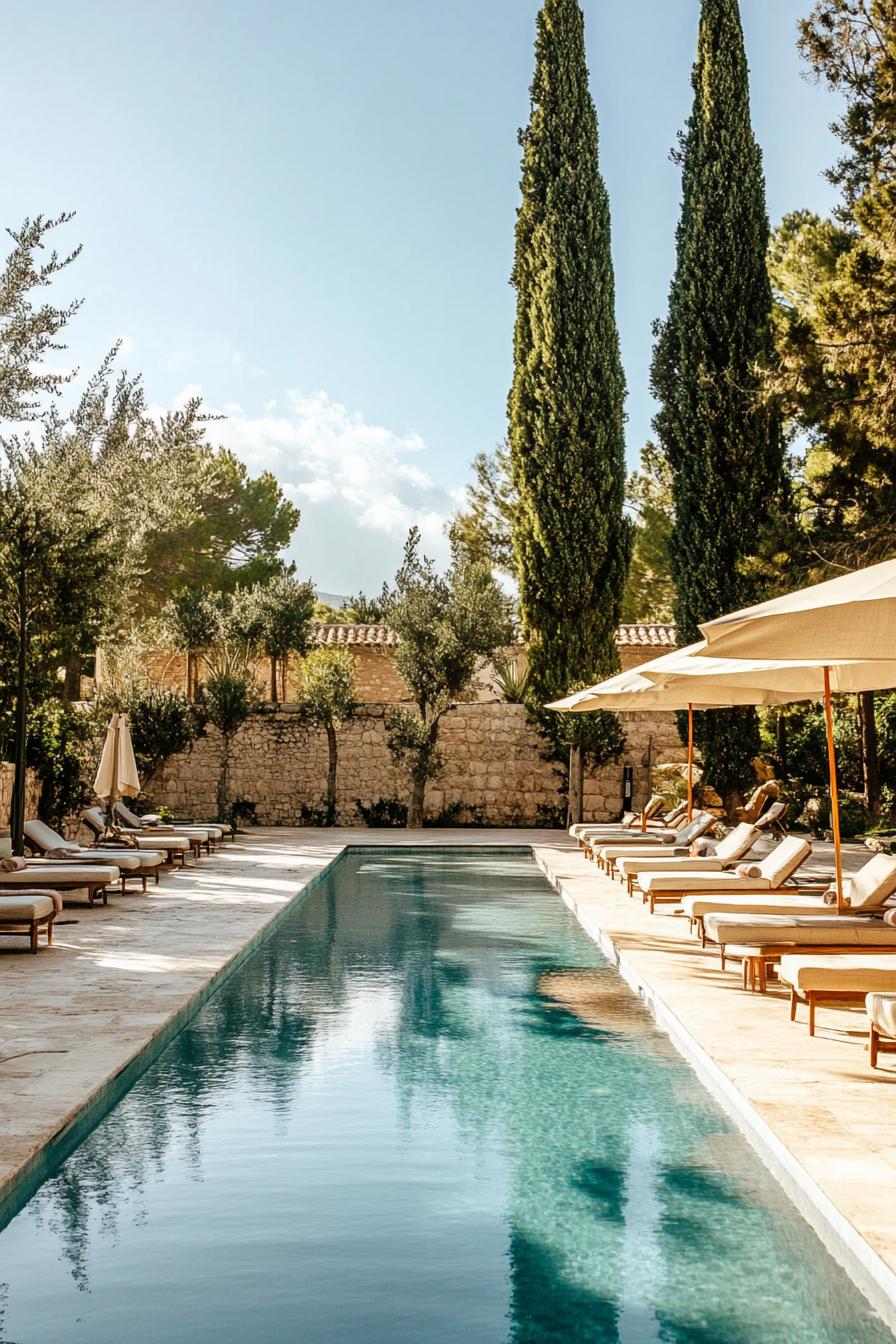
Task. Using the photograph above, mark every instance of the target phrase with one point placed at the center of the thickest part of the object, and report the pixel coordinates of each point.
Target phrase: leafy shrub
(243, 810)
(313, 816)
(457, 814)
(55, 743)
(384, 812)
(550, 816)
(162, 725)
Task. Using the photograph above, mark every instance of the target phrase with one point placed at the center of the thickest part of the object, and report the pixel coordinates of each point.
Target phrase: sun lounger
(757, 958)
(93, 878)
(680, 840)
(627, 821)
(727, 852)
(174, 846)
(134, 862)
(200, 837)
(867, 891)
(772, 820)
(841, 978)
(26, 912)
(769, 876)
(881, 1010)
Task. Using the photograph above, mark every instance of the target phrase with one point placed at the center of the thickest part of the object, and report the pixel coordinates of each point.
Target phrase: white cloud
(360, 486)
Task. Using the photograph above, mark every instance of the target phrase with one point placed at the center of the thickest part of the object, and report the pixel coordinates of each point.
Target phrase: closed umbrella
(797, 679)
(634, 690)
(117, 775)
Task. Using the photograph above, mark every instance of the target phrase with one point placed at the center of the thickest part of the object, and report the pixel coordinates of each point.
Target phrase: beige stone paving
(818, 1095)
(72, 1018)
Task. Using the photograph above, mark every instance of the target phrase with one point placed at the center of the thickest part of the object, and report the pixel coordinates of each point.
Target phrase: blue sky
(306, 212)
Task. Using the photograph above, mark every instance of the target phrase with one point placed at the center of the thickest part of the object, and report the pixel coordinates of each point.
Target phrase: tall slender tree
(571, 540)
(723, 441)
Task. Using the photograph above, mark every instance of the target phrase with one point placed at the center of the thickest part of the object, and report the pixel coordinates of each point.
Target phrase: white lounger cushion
(40, 873)
(730, 902)
(803, 929)
(737, 843)
(881, 1009)
(840, 971)
(665, 852)
(25, 908)
(774, 869)
(872, 884)
(634, 866)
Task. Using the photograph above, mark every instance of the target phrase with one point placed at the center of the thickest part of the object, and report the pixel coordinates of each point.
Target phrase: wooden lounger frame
(755, 965)
(31, 928)
(878, 1044)
(813, 997)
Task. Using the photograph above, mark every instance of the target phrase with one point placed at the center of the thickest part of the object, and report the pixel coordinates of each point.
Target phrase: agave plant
(511, 677)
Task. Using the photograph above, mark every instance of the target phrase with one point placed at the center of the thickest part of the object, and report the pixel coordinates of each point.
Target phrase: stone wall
(492, 756)
(32, 792)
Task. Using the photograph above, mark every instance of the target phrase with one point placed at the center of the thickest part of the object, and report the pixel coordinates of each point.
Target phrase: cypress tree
(723, 442)
(572, 543)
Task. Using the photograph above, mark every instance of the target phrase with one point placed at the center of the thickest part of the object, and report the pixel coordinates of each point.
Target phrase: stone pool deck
(72, 1019)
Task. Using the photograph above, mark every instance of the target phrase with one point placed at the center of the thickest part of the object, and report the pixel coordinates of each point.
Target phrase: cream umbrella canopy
(850, 617)
(798, 679)
(633, 690)
(117, 775)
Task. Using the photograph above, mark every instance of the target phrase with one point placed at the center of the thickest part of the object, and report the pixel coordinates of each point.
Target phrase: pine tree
(571, 540)
(722, 440)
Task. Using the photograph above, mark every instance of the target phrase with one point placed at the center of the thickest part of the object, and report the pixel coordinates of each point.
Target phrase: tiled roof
(368, 635)
(650, 636)
(656, 635)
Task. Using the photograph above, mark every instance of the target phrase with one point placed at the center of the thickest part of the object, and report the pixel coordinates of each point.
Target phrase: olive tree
(446, 624)
(273, 619)
(228, 695)
(327, 693)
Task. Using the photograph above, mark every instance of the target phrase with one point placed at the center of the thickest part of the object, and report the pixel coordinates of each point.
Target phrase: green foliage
(361, 610)
(384, 812)
(55, 743)
(511, 677)
(273, 617)
(192, 620)
(484, 529)
(162, 724)
(721, 437)
(327, 686)
(650, 589)
(446, 625)
(571, 541)
(228, 695)
(29, 330)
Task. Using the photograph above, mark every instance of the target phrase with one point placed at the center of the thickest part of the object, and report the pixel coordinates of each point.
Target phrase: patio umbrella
(850, 617)
(633, 690)
(117, 775)
(797, 679)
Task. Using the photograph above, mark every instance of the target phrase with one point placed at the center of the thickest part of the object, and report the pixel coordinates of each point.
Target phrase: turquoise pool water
(425, 1111)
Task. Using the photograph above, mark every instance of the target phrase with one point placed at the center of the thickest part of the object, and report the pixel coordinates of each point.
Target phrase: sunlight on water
(426, 1110)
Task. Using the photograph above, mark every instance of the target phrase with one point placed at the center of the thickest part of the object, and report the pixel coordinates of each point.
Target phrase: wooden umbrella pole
(691, 762)
(842, 902)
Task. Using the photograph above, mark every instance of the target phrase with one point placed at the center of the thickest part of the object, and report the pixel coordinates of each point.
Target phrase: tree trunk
(191, 675)
(71, 686)
(331, 775)
(576, 785)
(781, 741)
(17, 810)
(415, 805)
(273, 679)
(224, 777)
(284, 678)
(870, 759)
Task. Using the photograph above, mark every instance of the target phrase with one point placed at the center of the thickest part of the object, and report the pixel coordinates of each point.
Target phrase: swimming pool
(424, 1110)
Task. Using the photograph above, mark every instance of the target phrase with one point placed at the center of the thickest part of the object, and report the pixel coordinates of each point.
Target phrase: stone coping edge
(21, 1185)
(871, 1275)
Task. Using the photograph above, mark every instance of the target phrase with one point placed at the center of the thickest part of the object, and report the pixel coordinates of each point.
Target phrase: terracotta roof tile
(367, 635)
(651, 635)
